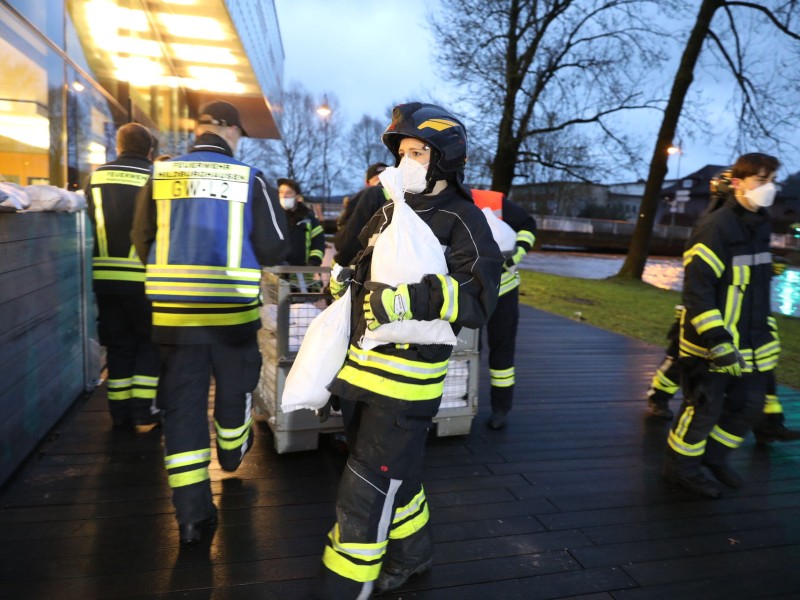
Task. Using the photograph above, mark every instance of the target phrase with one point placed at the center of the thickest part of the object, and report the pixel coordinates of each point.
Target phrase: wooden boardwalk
(567, 502)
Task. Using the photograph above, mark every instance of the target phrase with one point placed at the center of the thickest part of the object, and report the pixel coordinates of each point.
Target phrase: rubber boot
(771, 429)
(409, 556)
(716, 459)
(685, 471)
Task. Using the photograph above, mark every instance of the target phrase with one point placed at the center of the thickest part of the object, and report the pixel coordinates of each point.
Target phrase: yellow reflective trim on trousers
(502, 377)
(339, 557)
(121, 395)
(388, 387)
(411, 526)
(232, 444)
(188, 478)
(119, 383)
(684, 421)
(163, 208)
(397, 366)
(148, 393)
(184, 459)
(145, 380)
(235, 233)
(681, 447)
(202, 319)
(100, 222)
(706, 254)
(707, 320)
(772, 405)
(233, 433)
(725, 438)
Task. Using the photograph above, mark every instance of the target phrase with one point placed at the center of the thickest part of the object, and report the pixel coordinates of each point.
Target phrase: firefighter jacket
(203, 225)
(111, 200)
(414, 374)
(726, 289)
(306, 237)
(520, 221)
(353, 219)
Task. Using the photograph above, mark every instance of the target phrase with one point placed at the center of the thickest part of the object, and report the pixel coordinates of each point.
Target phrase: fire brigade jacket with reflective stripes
(516, 218)
(726, 289)
(306, 237)
(111, 199)
(414, 374)
(205, 225)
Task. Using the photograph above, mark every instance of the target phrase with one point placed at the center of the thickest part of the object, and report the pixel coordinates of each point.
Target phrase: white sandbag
(502, 232)
(319, 359)
(13, 197)
(49, 198)
(405, 252)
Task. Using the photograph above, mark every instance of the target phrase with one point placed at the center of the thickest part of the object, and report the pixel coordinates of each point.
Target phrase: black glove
(324, 413)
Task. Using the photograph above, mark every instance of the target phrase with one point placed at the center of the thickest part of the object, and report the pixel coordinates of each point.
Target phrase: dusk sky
(374, 54)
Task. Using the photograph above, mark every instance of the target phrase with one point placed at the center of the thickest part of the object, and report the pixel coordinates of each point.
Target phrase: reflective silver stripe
(411, 508)
(186, 288)
(273, 217)
(233, 433)
(364, 356)
(762, 258)
(144, 380)
(723, 437)
(235, 233)
(452, 304)
(114, 260)
(237, 273)
(187, 458)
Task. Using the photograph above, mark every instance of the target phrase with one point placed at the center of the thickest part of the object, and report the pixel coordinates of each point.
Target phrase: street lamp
(325, 111)
(672, 150)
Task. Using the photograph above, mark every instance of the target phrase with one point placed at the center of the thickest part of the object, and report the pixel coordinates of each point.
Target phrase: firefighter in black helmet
(390, 394)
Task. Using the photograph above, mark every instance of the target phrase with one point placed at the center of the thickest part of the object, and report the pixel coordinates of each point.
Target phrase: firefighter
(390, 394)
(501, 330)
(727, 344)
(203, 226)
(306, 236)
(124, 314)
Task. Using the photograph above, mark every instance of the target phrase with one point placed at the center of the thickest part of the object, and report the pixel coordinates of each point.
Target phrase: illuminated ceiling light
(217, 74)
(189, 26)
(211, 85)
(203, 54)
(138, 71)
(78, 86)
(128, 45)
(97, 153)
(101, 13)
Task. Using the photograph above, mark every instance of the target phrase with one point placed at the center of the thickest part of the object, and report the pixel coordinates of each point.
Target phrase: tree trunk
(633, 267)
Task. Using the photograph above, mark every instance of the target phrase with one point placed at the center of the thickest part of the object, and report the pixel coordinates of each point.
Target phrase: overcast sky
(372, 55)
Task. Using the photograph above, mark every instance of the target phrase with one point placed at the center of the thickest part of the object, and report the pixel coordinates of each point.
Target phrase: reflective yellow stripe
(205, 290)
(184, 459)
(725, 438)
(707, 320)
(687, 348)
(508, 281)
(359, 562)
(684, 421)
(706, 254)
(316, 231)
(733, 309)
(203, 271)
(388, 387)
(664, 383)
(449, 310)
(120, 177)
(121, 395)
(502, 377)
(100, 222)
(164, 208)
(741, 275)
(235, 233)
(526, 236)
(202, 319)
(118, 276)
(145, 380)
(228, 439)
(404, 526)
(773, 405)
(397, 366)
(119, 389)
(188, 478)
(231, 444)
(682, 447)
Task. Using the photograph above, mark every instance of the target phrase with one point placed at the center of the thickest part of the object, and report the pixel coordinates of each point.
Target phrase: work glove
(725, 358)
(513, 260)
(384, 304)
(779, 265)
(340, 280)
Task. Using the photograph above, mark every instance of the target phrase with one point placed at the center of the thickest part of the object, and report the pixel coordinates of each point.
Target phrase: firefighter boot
(716, 459)
(685, 471)
(658, 404)
(405, 557)
(771, 429)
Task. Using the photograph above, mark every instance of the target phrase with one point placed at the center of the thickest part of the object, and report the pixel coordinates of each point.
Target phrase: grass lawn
(635, 309)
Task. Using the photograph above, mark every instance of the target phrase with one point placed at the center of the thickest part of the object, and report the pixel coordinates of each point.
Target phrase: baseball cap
(291, 183)
(375, 169)
(221, 113)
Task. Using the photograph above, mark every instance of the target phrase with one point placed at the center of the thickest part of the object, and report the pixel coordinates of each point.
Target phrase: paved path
(567, 502)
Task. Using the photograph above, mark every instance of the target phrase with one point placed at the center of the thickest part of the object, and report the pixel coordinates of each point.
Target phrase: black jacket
(355, 216)
(306, 237)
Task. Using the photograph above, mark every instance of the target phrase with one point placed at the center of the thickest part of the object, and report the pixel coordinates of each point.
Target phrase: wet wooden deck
(567, 502)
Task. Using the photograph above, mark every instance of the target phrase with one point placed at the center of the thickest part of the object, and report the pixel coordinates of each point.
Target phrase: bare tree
(767, 104)
(560, 69)
(365, 141)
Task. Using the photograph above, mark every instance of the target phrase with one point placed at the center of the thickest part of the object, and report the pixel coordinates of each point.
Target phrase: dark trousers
(717, 405)
(183, 397)
(380, 497)
(501, 333)
(124, 324)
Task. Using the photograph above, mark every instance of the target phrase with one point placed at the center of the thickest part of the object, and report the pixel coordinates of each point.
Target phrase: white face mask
(762, 196)
(288, 203)
(413, 175)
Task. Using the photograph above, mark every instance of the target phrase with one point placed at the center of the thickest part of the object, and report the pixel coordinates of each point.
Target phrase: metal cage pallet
(292, 297)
